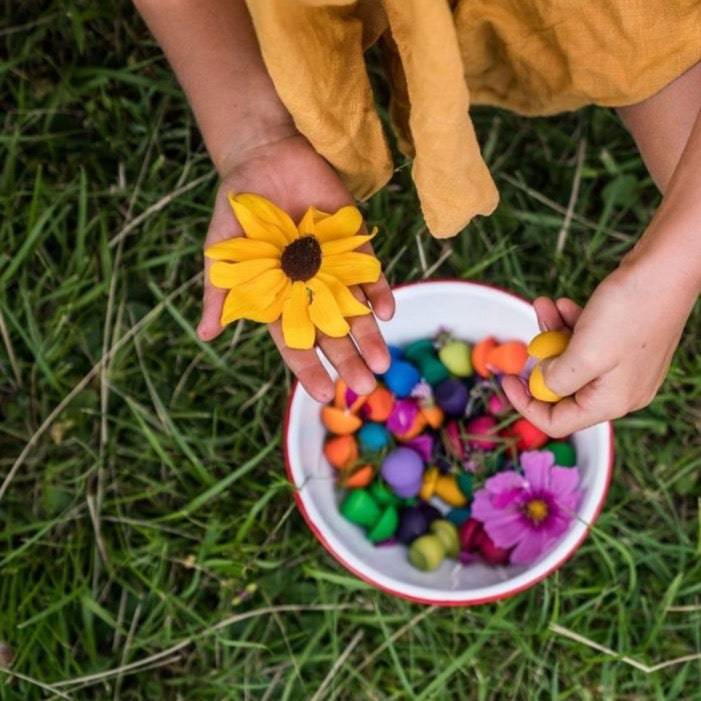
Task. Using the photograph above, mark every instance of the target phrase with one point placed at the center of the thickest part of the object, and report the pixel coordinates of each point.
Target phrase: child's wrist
(255, 133)
(659, 256)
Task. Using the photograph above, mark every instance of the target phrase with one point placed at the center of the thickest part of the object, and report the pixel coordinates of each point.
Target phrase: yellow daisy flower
(301, 272)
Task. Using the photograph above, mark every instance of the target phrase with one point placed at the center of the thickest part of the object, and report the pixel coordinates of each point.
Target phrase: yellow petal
(228, 275)
(345, 222)
(241, 248)
(352, 268)
(349, 243)
(262, 220)
(297, 328)
(324, 312)
(345, 299)
(307, 224)
(269, 212)
(265, 310)
(263, 289)
(319, 214)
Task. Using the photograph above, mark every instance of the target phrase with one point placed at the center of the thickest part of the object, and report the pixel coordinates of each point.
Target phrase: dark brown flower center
(301, 259)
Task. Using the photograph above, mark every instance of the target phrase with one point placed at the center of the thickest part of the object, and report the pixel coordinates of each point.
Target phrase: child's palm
(292, 175)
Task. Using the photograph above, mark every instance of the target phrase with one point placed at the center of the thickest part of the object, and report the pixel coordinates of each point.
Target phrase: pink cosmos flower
(528, 512)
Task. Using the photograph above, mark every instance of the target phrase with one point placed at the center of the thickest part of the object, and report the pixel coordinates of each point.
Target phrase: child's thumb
(570, 371)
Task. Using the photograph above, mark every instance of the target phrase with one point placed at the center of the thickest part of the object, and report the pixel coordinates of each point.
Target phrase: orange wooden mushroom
(378, 404)
(339, 421)
(508, 358)
(480, 351)
(341, 451)
(340, 398)
(358, 478)
(434, 415)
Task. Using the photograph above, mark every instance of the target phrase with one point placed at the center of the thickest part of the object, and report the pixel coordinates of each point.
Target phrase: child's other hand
(291, 174)
(619, 353)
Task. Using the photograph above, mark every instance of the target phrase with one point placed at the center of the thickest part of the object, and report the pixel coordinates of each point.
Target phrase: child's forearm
(213, 50)
(662, 123)
(672, 243)
(667, 130)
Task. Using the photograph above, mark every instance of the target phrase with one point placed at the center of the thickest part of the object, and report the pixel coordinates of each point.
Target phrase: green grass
(142, 445)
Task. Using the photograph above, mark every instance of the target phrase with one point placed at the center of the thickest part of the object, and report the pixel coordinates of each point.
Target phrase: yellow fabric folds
(535, 57)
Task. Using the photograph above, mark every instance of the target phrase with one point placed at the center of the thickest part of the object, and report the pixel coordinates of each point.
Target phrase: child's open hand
(617, 358)
(290, 173)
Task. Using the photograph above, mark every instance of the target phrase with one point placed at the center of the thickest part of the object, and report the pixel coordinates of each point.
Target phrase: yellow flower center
(301, 259)
(536, 510)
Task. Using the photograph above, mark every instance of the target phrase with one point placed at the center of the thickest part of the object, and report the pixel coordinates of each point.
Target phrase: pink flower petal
(530, 548)
(508, 499)
(504, 481)
(558, 525)
(506, 531)
(536, 465)
(482, 507)
(564, 480)
(569, 503)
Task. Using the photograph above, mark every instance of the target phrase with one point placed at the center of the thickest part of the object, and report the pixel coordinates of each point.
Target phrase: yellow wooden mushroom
(548, 344)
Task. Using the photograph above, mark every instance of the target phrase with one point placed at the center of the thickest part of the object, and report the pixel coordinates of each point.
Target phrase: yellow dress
(535, 57)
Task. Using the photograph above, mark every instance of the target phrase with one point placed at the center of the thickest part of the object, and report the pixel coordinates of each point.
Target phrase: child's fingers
(344, 356)
(222, 225)
(212, 302)
(381, 298)
(549, 318)
(368, 338)
(356, 365)
(379, 293)
(371, 345)
(569, 310)
(577, 366)
(557, 420)
(556, 314)
(306, 366)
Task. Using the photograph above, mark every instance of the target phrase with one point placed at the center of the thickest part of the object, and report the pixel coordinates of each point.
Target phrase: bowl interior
(470, 311)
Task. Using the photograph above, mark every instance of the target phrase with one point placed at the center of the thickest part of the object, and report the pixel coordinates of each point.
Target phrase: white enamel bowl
(470, 311)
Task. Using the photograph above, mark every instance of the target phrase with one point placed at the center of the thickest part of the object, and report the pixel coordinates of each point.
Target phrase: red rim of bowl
(418, 599)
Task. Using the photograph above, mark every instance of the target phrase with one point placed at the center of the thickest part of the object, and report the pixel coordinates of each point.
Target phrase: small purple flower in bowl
(528, 512)
(423, 392)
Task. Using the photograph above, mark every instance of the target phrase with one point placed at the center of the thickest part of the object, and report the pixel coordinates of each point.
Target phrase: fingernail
(382, 314)
(380, 364)
(366, 385)
(384, 311)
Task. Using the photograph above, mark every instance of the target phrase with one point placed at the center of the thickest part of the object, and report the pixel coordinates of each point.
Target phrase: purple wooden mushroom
(403, 470)
(451, 395)
(413, 522)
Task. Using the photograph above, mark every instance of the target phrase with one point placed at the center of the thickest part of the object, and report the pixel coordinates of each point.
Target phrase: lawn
(149, 543)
